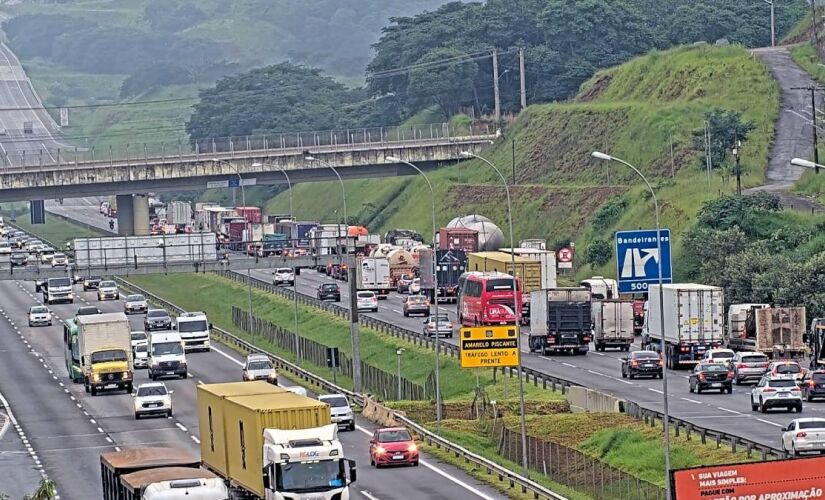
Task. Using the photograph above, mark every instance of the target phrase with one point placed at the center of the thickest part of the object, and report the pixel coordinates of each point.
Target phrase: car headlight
(126, 375)
(380, 450)
(412, 448)
(155, 362)
(137, 404)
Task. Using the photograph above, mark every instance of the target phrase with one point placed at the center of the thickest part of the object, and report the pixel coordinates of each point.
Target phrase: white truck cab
(193, 328)
(58, 290)
(166, 355)
(187, 489)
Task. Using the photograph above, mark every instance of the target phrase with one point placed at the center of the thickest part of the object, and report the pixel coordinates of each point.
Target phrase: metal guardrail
(515, 480)
(547, 381)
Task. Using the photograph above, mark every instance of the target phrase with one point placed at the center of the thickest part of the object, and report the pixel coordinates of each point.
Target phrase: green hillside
(632, 111)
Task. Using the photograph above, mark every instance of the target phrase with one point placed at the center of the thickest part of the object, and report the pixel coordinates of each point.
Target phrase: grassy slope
(632, 111)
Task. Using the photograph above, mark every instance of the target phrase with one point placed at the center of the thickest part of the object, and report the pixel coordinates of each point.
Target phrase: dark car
(87, 310)
(19, 259)
(642, 364)
(329, 291)
(711, 376)
(157, 319)
(416, 304)
(91, 283)
(813, 385)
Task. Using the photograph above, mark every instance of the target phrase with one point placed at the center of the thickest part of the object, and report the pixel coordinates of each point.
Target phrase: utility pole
(355, 332)
(523, 81)
(495, 87)
(737, 152)
(813, 26)
(773, 21)
(514, 162)
(813, 90)
(707, 149)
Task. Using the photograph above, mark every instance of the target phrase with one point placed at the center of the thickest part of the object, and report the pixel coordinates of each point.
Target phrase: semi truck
(450, 265)
(613, 324)
(778, 332)
(298, 231)
(458, 238)
(373, 273)
(105, 345)
(270, 443)
(693, 322)
(273, 244)
(737, 315)
(560, 320)
(143, 250)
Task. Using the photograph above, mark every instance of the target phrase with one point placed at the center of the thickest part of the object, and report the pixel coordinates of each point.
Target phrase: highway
(729, 413)
(69, 429)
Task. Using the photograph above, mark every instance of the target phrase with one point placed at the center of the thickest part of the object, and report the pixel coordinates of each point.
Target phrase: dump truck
(693, 322)
(105, 345)
(119, 469)
(612, 324)
(737, 315)
(270, 443)
(560, 320)
(173, 483)
(778, 332)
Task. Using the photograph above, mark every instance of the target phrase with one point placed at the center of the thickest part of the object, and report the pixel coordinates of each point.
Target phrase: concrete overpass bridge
(361, 155)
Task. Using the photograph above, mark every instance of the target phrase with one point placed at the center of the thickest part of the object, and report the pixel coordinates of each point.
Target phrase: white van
(193, 328)
(166, 355)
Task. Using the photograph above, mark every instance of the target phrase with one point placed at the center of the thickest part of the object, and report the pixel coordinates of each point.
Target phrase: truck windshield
(309, 476)
(107, 356)
(60, 282)
(165, 348)
(192, 326)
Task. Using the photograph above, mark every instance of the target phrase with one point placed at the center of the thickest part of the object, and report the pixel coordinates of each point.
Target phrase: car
(748, 366)
(19, 259)
(772, 392)
(415, 286)
(34, 248)
(46, 255)
(329, 291)
(107, 290)
(804, 434)
(87, 310)
(642, 363)
(813, 385)
(167, 357)
(141, 355)
(710, 375)
(445, 326)
(91, 283)
(283, 275)
(139, 338)
(5, 248)
(135, 303)
(40, 315)
(340, 410)
(367, 301)
(393, 446)
(60, 260)
(157, 319)
(416, 304)
(786, 369)
(403, 283)
(259, 367)
(718, 356)
(152, 398)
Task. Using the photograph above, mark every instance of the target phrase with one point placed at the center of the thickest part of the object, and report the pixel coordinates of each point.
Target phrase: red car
(393, 446)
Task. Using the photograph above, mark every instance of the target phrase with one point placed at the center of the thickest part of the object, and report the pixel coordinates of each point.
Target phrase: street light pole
(398, 353)
(773, 21)
(435, 296)
(355, 334)
(525, 462)
(603, 156)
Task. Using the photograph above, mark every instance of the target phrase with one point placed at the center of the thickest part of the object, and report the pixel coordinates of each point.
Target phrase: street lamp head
(257, 165)
(466, 154)
(310, 158)
(393, 159)
(799, 162)
(601, 156)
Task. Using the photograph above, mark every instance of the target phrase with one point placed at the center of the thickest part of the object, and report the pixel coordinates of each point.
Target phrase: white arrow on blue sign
(637, 260)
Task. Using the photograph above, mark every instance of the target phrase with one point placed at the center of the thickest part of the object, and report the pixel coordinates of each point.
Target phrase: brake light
(801, 434)
(795, 389)
(811, 384)
(661, 363)
(741, 365)
(551, 340)
(586, 338)
(768, 389)
(685, 348)
(701, 376)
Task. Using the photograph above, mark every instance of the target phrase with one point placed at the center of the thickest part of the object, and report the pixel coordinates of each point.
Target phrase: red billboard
(802, 479)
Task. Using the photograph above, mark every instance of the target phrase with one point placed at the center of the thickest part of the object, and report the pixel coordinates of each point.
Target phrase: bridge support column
(125, 215)
(140, 208)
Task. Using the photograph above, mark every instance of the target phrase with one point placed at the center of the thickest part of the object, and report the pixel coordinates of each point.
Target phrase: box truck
(561, 321)
(612, 324)
(373, 273)
(694, 322)
(778, 332)
(105, 345)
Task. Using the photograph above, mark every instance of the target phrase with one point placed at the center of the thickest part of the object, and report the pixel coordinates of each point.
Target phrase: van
(166, 356)
(193, 328)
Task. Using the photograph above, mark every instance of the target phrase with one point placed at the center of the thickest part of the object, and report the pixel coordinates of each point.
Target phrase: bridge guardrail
(547, 381)
(515, 480)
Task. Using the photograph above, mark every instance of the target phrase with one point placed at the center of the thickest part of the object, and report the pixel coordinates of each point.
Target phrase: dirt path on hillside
(792, 133)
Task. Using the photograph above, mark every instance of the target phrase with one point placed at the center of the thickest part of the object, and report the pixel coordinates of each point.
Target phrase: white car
(139, 338)
(259, 367)
(804, 434)
(283, 276)
(718, 356)
(367, 301)
(40, 315)
(153, 399)
(415, 286)
(786, 369)
(340, 410)
(46, 255)
(294, 389)
(107, 290)
(5, 248)
(60, 260)
(773, 392)
(141, 355)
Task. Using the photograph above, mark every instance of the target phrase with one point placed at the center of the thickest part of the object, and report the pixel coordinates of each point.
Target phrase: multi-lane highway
(68, 428)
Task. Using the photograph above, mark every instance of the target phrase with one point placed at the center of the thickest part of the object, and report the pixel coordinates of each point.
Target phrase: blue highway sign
(637, 260)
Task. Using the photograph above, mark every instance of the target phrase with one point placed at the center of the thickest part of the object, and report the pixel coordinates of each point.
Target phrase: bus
(487, 299)
(71, 351)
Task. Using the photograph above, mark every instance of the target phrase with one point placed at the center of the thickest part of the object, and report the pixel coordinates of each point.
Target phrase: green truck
(273, 244)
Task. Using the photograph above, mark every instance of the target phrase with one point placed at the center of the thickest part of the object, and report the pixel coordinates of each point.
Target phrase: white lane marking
(568, 364)
(729, 411)
(397, 311)
(195, 439)
(769, 422)
(368, 495)
(623, 381)
(227, 356)
(692, 401)
(654, 390)
(596, 353)
(180, 426)
(440, 472)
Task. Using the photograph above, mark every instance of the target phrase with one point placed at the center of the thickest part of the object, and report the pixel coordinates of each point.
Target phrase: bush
(598, 252)
(608, 213)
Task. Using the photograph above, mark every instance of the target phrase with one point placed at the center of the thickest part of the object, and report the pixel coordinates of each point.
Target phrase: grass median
(56, 229)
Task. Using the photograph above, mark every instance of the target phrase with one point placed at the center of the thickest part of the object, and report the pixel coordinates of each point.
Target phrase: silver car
(748, 366)
(108, 290)
(444, 326)
(40, 315)
(259, 367)
(340, 410)
(135, 304)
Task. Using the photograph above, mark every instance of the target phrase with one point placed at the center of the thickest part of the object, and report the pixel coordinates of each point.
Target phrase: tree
(726, 128)
(447, 85)
(598, 252)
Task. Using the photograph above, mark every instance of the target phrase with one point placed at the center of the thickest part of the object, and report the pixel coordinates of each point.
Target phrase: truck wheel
(86, 386)
(93, 390)
(128, 388)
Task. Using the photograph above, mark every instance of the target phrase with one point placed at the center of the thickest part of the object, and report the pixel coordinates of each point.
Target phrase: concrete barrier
(380, 414)
(584, 400)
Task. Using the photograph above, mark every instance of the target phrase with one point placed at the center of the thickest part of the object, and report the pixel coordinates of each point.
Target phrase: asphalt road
(69, 429)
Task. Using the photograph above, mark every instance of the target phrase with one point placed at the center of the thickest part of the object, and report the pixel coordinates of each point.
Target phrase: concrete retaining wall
(584, 400)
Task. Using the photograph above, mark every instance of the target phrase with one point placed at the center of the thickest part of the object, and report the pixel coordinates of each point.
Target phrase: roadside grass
(56, 230)
(216, 296)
